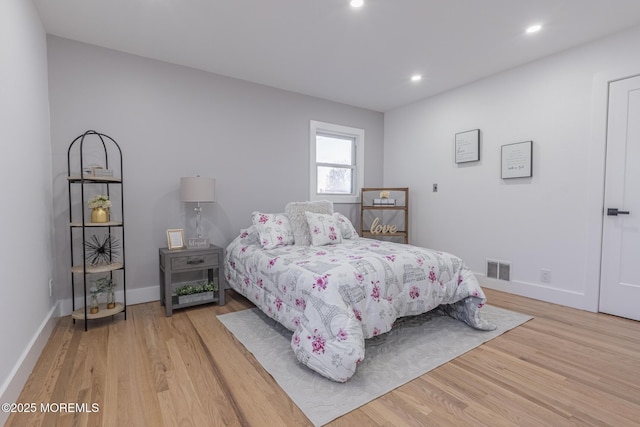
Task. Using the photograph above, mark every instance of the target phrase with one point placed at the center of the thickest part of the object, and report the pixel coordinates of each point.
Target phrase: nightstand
(180, 267)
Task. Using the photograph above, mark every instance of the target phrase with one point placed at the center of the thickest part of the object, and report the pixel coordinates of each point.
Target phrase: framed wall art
(467, 146)
(517, 160)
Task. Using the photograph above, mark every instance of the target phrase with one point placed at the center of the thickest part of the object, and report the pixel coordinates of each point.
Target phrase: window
(337, 162)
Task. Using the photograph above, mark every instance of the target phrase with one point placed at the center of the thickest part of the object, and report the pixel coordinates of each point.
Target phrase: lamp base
(198, 242)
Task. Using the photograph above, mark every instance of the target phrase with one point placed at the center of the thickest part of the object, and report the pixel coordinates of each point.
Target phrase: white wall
(551, 220)
(25, 178)
(173, 121)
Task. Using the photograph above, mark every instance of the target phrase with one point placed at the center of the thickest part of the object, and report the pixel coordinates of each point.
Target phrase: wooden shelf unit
(367, 198)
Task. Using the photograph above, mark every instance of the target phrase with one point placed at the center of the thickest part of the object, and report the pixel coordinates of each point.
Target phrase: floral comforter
(334, 297)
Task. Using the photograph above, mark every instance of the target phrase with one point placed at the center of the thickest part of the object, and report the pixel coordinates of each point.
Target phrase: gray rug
(413, 347)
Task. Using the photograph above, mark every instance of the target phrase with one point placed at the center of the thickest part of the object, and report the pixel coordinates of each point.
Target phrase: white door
(620, 276)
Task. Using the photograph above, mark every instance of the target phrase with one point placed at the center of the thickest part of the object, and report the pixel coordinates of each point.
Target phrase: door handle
(616, 212)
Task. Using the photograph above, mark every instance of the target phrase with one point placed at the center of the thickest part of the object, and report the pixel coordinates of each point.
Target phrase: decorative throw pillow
(274, 229)
(346, 227)
(324, 229)
(296, 210)
(249, 236)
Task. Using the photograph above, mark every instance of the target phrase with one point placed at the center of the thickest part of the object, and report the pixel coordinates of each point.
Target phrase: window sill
(335, 199)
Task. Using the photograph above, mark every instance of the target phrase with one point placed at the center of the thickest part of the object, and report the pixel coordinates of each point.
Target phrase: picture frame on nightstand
(175, 238)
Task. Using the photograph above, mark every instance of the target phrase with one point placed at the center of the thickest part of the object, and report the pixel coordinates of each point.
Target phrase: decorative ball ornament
(101, 250)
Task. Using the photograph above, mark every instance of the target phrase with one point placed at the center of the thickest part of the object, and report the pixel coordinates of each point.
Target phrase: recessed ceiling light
(356, 3)
(534, 29)
(416, 78)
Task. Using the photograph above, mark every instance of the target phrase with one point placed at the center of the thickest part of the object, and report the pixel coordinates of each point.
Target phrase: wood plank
(564, 367)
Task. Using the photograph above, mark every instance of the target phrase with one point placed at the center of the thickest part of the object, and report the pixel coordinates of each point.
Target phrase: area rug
(413, 347)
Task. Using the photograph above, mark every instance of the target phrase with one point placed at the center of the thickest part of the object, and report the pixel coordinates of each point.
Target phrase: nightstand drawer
(194, 261)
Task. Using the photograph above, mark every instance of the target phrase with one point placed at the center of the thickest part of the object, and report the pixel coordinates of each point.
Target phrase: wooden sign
(377, 228)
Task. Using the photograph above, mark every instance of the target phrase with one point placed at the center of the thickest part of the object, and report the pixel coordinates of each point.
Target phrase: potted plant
(99, 206)
(194, 292)
(101, 286)
(94, 308)
(107, 286)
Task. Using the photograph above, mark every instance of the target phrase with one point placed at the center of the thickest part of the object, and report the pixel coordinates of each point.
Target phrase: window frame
(330, 129)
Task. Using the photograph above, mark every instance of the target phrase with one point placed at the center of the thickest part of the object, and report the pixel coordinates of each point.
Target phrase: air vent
(492, 269)
(500, 270)
(504, 271)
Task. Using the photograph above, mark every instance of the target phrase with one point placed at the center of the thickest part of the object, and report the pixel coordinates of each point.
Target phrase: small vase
(94, 305)
(111, 299)
(99, 215)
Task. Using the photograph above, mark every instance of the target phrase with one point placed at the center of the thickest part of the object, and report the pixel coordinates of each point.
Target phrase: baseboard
(134, 296)
(19, 375)
(539, 292)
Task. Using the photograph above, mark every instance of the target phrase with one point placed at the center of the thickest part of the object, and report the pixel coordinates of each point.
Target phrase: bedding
(323, 229)
(297, 215)
(274, 229)
(335, 296)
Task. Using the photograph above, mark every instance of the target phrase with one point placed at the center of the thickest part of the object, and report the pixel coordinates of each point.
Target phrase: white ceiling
(326, 49)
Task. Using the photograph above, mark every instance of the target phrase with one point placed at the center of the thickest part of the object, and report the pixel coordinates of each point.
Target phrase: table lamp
(197, 190)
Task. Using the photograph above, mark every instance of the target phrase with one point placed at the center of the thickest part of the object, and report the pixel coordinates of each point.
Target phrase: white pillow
(323, 229)
(274, 229)
(249, 236)
(296, 210)
(346, 227)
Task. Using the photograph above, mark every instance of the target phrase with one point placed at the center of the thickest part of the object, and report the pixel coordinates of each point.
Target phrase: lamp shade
(197, 189)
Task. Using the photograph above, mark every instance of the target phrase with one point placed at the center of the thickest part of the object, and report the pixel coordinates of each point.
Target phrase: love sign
(377, 228)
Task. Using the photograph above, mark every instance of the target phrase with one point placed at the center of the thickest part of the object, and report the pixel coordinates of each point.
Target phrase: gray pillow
(296, 210)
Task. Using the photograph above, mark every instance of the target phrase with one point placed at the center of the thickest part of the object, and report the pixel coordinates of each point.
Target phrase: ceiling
(324, 48)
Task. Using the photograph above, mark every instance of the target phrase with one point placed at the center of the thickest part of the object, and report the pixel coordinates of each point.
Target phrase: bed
(334, 289)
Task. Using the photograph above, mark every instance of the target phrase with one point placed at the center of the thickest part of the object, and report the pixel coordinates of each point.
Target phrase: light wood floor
(564, 367)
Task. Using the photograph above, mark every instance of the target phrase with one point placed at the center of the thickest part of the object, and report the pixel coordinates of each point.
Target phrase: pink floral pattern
(432, 275)
(414, 292)
(333, 236)
(317, 342)
(321, 282)
(375, 292)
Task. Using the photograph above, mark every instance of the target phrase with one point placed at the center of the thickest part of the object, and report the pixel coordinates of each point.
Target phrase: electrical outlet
(435, 188)
(545, 275)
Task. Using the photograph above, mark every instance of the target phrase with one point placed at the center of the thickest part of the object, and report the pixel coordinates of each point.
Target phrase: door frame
(596, 178)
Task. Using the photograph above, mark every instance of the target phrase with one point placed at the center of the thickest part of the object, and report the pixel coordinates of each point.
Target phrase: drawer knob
(195, 261)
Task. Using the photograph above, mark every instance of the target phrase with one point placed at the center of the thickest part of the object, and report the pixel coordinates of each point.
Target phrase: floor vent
(500, 270)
